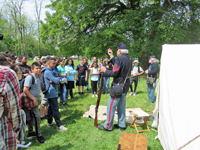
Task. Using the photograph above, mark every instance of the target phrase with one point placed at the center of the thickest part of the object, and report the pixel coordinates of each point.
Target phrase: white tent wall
(179, 106)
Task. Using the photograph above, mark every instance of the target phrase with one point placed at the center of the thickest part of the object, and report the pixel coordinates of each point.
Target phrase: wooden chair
(140, 113)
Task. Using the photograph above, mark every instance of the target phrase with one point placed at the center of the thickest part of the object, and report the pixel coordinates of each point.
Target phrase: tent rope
(189, 142)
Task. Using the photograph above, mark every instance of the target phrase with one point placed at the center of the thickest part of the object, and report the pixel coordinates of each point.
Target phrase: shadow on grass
(58, 147)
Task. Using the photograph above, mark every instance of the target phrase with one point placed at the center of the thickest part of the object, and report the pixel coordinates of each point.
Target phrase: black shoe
(118, 127)
(101, 127)
(87, 90)
(30, 135)
(103, 93)
(45, 117)
(41, 140)
(82, 93)
(79, 93)
(65, 104)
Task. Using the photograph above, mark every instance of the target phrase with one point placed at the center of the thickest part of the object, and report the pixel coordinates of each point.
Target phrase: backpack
(22, 83)
(44, 89)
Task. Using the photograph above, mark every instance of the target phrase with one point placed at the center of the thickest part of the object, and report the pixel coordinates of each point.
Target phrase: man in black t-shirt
(81, 74)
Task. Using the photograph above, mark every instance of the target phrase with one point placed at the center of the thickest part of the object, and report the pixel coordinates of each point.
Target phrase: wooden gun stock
(98, 100)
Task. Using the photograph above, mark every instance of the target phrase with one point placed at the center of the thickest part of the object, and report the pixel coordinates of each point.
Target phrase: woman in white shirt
(94, 72)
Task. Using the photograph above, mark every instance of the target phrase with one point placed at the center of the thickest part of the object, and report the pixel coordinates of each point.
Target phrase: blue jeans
(120, 103)
(63, 93)
(150, 90)
(87, 87)
(53, 111)
(106, 81)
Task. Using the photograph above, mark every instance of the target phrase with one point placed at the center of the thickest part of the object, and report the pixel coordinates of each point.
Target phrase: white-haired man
(120, 71)
(152, 72)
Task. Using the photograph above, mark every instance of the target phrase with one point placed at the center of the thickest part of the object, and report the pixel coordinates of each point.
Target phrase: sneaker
(96, 95)
(65, 104)
(82, 93)
(50, 124)
(87, 90)
(92, 95)
(134, 94)
(131, 94)
(62, 128)
(41, 140)
(79, 93)
(30, 135)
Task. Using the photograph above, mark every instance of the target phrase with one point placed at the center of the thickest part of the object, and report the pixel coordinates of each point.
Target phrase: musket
(98, 101)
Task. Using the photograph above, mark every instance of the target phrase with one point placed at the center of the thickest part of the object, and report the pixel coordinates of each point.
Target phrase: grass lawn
(82, 134)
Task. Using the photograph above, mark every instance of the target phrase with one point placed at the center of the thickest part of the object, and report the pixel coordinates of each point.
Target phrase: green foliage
(90, 27)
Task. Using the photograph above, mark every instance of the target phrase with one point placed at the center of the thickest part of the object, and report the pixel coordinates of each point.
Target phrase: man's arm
(154, 69)
(50, 76)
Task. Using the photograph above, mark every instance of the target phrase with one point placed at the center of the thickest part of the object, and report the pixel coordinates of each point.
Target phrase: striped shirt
(10, 114)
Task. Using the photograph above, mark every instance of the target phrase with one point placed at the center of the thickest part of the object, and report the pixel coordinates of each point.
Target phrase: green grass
(82, 134)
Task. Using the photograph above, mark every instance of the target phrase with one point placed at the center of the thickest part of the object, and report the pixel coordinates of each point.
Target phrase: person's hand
(85, 79)
(107, 67)
(131, 74)
(50, 81)
(146, 71)
(16, 135)
(103, 69)
(35, 102)
(26, 74)
(137, 74)
(67, 74)
(110, 52)
(77, 79)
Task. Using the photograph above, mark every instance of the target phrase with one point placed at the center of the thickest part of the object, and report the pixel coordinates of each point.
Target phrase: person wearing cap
(135, 73)
(152, 72)
(106, 80)
(119, 73)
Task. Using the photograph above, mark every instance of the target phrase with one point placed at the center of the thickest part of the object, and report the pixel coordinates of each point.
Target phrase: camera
(1, 36)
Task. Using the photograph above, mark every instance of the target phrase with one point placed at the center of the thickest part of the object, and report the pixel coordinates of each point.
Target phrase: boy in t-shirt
(81, 74)
(33, 92)
(94, 72)
(135, 73)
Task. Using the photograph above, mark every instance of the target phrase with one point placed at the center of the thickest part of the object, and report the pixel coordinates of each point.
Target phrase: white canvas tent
(179, 101)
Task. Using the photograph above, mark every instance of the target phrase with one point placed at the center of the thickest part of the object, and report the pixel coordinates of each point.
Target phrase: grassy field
(82, 134)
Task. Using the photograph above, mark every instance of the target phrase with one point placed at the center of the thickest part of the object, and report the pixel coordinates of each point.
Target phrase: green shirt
(61, 70)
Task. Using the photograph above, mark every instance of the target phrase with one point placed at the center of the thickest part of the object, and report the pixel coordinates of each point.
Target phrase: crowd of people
(54, 80)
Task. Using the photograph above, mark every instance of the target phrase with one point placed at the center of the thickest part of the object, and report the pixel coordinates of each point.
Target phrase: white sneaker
(50, 125)
(62, 128)
(96, 95)
(131, 94)
(134, 94)
(93, 95)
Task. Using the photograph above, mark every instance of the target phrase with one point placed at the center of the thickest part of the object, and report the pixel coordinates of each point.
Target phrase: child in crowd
(106, 80)
(62, 73)
(33, 92)
(86, 63)
(99, 76)
(94, 71)
(135, 73)
(70, 70)
(44, 101)
(81, 74)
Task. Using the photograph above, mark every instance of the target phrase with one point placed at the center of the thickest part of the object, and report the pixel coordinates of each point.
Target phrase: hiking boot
(118, 127)
(50, 124)
(30, 135)
(41, 140)
(62, 128)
